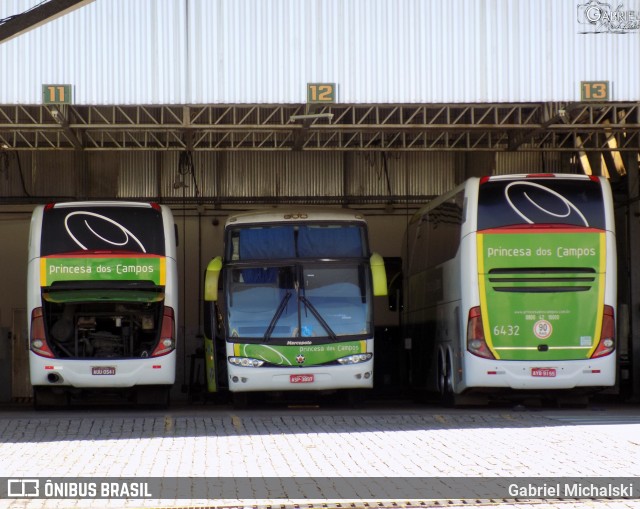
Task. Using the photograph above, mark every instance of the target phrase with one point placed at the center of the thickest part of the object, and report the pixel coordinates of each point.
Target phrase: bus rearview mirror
(379, 275)
(211, 279)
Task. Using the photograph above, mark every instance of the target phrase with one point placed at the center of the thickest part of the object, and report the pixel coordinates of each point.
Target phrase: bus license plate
(301, 379)
(543, 372)
(103, 370)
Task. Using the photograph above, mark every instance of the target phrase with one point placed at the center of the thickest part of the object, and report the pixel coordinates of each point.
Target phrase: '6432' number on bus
(506, 330)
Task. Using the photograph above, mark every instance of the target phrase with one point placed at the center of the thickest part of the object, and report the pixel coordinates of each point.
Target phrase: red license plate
(543, 372)
(103, 370)
(301, 379)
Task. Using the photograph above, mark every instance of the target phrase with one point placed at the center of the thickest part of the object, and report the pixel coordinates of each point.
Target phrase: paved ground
(317, 446)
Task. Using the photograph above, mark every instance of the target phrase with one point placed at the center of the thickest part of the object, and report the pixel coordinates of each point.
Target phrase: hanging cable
(385, 168)
(5, 163)
(24, 187)
(186, 167)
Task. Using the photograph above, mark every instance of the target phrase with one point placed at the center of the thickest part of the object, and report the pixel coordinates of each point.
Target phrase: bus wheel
(445, 383)
(447, 395)
(442, 382)
(46, 398)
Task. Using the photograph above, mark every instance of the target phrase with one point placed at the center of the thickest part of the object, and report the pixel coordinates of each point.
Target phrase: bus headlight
(246, 362)
(356, 358)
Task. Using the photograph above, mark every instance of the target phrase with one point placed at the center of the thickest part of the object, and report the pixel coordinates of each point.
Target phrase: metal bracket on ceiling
(58, 113)
(310, 116)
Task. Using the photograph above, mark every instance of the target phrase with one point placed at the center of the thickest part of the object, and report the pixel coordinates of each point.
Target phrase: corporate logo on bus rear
(102, 268)
(298, 343)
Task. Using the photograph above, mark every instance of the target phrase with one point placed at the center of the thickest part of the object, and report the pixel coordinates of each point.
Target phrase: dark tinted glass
(296, 241)
(540, 201)
(72, 229)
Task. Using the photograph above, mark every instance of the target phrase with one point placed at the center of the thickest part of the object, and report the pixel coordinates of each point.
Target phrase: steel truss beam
(41, 13)
(460, 127)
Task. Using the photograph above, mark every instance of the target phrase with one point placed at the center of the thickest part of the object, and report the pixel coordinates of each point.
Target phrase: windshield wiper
(277, 315)
(318, 316)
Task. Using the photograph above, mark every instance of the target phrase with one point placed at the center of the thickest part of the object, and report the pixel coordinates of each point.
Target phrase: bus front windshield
(318, 302)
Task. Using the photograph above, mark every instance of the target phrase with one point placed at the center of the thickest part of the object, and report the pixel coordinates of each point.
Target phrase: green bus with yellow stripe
(511, 284)
(289, 306)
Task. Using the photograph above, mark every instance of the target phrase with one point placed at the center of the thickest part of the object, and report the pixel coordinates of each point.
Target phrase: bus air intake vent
(542, 280)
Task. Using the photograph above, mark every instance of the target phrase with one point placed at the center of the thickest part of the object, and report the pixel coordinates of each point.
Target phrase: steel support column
(633, 255)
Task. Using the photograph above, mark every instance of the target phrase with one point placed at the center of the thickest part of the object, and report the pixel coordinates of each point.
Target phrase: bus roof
(294, 214)
(526, 176)
(103, 203)
(493, 178)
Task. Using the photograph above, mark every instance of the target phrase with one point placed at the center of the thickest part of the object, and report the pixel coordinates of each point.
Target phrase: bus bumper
(102, 373)
(541, 375)
(356, 376)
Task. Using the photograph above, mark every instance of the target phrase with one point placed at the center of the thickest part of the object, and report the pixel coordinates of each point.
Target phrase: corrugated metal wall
(530, 162)
(266, 51)
(53, 174)
(316, 177)
(133, 165)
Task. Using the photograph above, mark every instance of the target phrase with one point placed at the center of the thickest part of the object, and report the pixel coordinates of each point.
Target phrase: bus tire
(445, 381)
(447, 395)
(441, 374)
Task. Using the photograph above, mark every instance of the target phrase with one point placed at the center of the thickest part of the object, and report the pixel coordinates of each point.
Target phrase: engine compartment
(103, 330)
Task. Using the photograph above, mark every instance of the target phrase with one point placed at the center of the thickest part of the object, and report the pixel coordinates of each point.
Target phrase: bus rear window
(133, 229)
(540, 201)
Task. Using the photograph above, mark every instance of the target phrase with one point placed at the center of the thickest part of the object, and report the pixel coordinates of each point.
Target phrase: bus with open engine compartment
(102, 300)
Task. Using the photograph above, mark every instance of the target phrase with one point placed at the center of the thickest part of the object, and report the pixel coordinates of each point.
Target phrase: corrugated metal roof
(266, 51)
(112, 52)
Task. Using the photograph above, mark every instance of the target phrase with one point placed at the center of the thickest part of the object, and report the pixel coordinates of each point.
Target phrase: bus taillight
(476, 342)
(167, 341)
(607, 342)
(37, 339)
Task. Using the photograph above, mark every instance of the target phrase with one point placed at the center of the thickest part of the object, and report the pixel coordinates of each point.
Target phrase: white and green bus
(289, 306)
(103, 300)
(510, 283)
